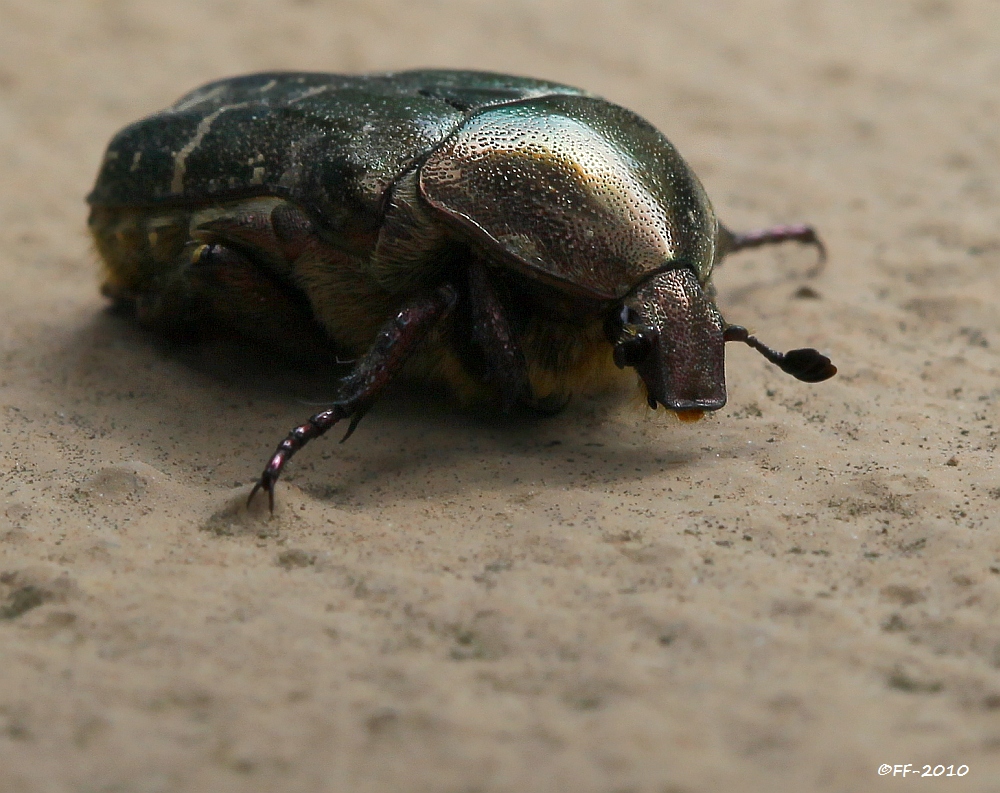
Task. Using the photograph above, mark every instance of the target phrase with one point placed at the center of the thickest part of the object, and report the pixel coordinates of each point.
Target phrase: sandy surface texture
(782, 597)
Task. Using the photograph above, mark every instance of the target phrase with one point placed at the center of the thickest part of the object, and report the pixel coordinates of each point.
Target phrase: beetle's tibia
(392, 347)
(805, 364)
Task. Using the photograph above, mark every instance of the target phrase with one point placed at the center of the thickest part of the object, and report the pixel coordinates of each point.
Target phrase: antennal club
(807, 364)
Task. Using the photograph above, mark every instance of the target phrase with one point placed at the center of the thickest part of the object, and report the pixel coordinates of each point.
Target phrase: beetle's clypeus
(519, 240)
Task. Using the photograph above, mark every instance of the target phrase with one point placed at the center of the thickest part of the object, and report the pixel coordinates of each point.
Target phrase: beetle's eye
(615, 323)
(632, 350)
(629, 316)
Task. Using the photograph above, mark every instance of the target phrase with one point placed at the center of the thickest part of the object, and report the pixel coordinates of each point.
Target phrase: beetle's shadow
(740, 282)
(420, 444)
(416, 443)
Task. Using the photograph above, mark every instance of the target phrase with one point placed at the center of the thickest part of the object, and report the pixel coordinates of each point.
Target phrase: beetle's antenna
(806, 364)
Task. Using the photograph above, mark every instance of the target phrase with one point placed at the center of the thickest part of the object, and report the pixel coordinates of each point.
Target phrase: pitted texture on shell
(576, 190)
(331, 143)
(686, 369)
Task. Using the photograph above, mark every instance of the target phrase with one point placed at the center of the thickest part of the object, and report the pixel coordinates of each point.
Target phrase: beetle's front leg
(733, 241)
(393, 345)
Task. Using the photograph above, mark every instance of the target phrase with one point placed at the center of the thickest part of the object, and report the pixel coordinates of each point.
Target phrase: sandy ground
(783, 597)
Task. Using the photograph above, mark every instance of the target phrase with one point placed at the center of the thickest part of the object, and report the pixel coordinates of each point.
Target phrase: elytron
(515, 239)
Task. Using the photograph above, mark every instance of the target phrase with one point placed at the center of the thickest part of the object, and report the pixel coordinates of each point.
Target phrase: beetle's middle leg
(506, 368)
(393, 345)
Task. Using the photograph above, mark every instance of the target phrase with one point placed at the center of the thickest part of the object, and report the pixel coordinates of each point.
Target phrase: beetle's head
(670, 331)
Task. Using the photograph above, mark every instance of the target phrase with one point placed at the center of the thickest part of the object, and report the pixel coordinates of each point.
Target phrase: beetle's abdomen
(254, 267)
(138, 248)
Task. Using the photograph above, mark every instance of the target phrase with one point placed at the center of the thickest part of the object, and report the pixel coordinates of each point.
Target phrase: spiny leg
(732, 241)
(506, 368)
(393, 345)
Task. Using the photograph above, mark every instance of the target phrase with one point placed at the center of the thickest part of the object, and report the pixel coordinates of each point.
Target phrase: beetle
(516, 239)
